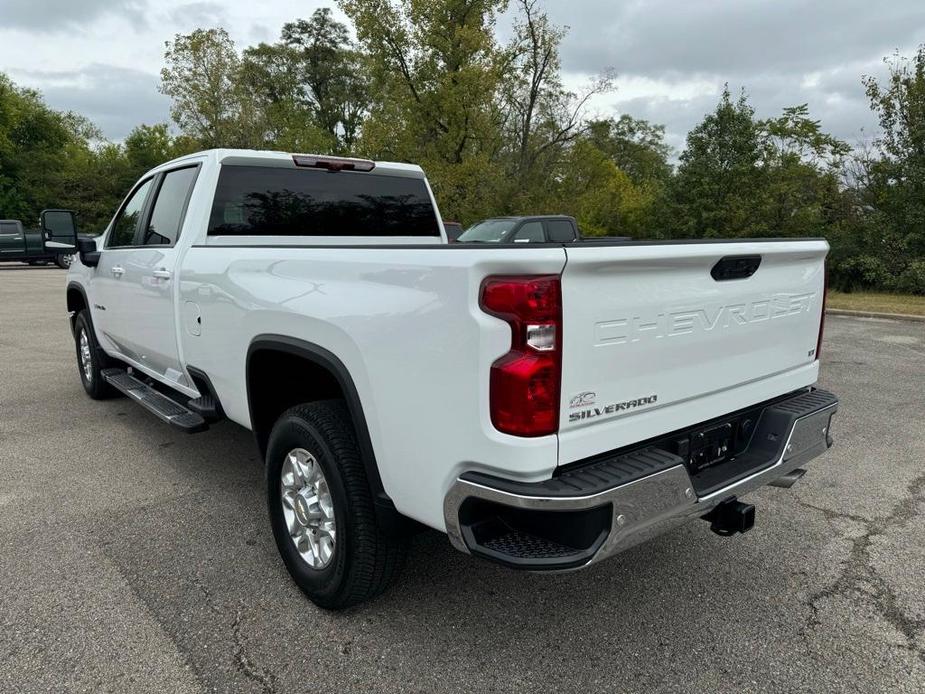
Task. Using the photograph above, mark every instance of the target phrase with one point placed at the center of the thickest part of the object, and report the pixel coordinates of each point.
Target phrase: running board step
(155, 402)
(207, 407)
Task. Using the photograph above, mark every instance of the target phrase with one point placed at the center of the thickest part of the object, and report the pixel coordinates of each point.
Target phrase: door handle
(162, 274)
(117, 271)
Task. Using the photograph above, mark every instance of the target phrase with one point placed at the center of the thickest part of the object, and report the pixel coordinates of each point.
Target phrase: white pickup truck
(546, 405)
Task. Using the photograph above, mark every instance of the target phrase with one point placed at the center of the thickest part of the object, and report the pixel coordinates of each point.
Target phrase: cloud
(114, 98)
(198, 14)
(835, 98)
(657, 37)
(54, 15)
(673, 56)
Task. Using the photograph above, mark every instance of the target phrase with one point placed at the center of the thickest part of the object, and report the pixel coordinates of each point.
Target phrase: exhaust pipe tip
(731, 517)
(790, 479)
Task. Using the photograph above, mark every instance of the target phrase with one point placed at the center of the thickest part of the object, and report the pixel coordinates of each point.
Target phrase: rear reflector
(525, 383)
(332, 163)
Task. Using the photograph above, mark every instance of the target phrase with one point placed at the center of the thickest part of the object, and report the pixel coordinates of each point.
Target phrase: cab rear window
(267, 201)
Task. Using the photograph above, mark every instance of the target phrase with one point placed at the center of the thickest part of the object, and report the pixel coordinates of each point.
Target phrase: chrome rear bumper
(647, 506)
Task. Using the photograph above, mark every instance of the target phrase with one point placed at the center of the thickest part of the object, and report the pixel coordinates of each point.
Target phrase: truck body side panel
(406, 324)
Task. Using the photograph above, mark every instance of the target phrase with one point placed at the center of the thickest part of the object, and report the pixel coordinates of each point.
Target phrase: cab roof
(256, 157)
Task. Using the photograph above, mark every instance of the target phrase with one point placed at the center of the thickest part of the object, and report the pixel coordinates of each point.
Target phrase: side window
(532, 232)
(169, 206)
(123, 229)
(560, 230)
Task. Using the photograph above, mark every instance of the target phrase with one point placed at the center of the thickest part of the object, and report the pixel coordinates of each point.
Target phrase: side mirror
(60, 231)
(86, 248)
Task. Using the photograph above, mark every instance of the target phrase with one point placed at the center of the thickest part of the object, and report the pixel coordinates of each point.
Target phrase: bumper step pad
(601, 475)
(155, 402)
(522, 545)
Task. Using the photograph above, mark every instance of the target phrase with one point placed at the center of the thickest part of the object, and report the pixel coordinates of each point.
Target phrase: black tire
(63, 261)
(365, 559)
(93, 383)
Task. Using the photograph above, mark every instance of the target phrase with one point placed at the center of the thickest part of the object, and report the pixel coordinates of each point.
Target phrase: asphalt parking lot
(137, 558)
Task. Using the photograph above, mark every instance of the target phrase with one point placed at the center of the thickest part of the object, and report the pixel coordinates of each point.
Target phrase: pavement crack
(859, 576)
(263, 677)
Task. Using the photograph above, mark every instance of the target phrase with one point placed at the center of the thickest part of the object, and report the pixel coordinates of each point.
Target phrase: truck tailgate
(653, 342)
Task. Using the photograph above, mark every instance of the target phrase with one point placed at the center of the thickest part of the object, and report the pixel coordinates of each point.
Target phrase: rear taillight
(524, 383)
(825, 291)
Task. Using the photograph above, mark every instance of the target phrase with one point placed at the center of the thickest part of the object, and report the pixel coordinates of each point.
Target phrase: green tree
(636, 146)
(333, 77)
(717, 189)
(202, 77)
(271, 76)
(54, 159)
(39, 147)
(600, 195)
(540, 118)
(802, 164)
(893, 185)
(147, 146)
(435, 67)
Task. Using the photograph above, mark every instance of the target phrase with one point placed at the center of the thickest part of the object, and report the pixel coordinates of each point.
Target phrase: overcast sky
(102, 57)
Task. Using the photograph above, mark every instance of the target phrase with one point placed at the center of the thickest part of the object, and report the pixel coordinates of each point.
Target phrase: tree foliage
(716, 190)
(436, 68)
(498, 132)
(889, 243)
(333, 81)
(201, 76)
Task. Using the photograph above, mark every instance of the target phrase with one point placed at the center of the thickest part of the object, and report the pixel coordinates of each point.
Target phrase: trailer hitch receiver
(731, 517)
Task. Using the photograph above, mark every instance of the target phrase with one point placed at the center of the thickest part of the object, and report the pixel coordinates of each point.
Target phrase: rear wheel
(90, 359)
(321, 508)
(64, 261)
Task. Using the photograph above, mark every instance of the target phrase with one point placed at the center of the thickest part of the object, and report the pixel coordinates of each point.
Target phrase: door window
(169, 207)
(123, 229)
(531, 231)
(560, 230)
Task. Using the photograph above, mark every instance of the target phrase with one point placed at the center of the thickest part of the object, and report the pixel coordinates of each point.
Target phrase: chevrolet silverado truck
(35, 247)
(546, 405)
(523, 229)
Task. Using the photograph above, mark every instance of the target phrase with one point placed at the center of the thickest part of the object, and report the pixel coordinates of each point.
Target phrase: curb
(874, 314)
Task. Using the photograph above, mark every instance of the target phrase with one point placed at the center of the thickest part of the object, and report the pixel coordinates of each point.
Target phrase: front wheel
(90, 359)
(64, 261)
(321, 508)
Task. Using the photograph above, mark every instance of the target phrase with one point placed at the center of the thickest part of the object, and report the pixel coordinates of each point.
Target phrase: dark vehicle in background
(453, 231)
(51, 244)
(531, 229)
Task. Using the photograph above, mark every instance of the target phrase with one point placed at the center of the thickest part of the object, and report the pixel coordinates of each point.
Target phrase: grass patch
(878, 302)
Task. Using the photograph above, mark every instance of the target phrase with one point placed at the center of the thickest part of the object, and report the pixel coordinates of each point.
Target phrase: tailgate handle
(735, 267)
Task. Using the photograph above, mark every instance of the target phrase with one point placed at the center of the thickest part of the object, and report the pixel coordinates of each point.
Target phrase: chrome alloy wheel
(86, 363)
(308, 508)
